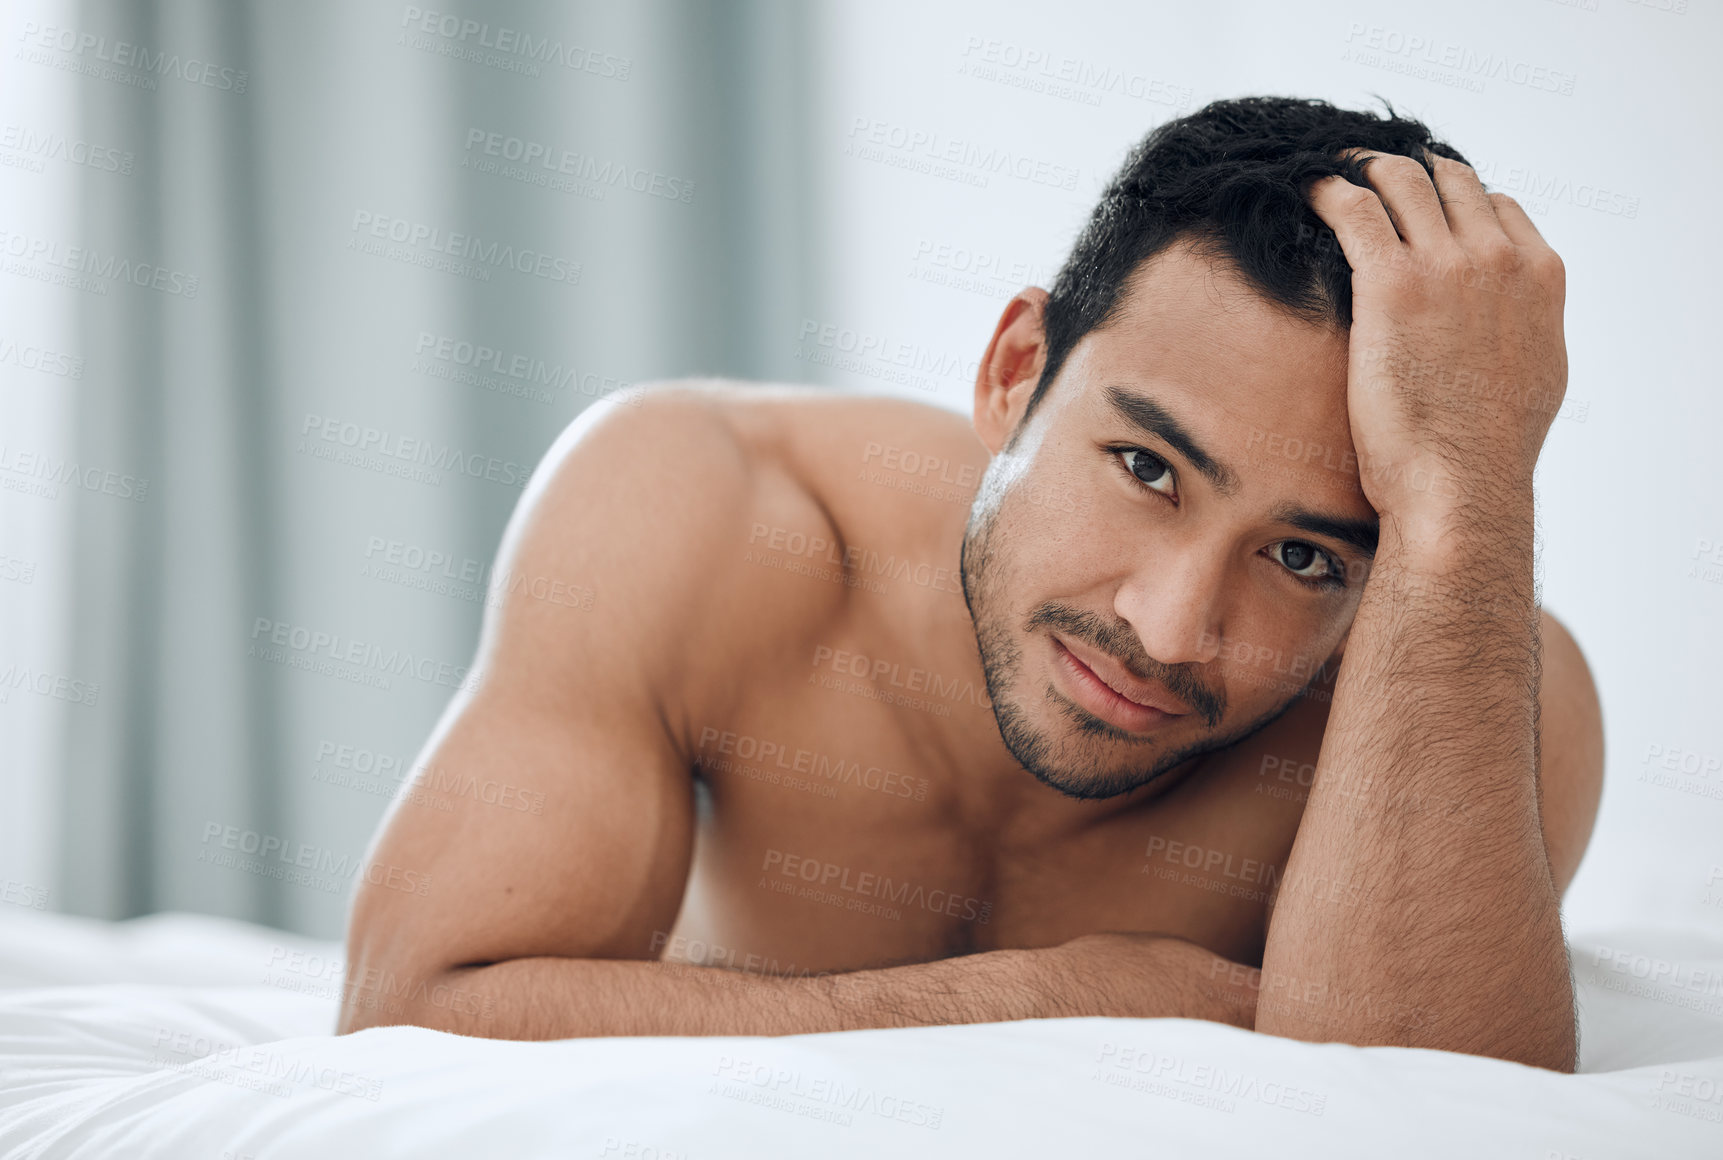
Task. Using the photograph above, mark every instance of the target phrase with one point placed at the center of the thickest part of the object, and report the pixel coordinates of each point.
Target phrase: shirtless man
(1200, 675)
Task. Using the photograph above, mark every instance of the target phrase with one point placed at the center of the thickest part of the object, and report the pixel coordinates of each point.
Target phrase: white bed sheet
(179, 1036)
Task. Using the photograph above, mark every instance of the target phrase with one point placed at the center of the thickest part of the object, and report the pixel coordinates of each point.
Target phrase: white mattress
(179, 1036)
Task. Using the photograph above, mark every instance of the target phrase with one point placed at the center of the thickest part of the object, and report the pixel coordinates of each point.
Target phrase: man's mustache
(1118, 641)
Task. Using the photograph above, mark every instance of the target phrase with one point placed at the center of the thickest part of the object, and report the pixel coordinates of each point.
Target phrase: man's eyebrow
(1147, 415)
(1361, 534)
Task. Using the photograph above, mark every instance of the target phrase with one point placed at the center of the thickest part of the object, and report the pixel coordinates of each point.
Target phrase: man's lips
(1144, 694)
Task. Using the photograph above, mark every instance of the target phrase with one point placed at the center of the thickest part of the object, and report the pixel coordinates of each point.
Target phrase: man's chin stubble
(1086, 781)
(1001, 660)
(1090, 782)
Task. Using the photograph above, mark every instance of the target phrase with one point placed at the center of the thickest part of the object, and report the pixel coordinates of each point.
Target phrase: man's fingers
(1515, 223)
(1405, 189)
(1357, 217)
(1471, 217)
(1544, 263)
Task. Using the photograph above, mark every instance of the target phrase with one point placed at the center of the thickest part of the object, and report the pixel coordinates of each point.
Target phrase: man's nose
(1173, 601)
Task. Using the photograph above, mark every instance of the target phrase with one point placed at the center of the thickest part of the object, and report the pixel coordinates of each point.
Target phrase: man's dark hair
(1232, 179)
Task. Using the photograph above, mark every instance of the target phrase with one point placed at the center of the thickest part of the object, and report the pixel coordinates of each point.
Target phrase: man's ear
(1011, 367)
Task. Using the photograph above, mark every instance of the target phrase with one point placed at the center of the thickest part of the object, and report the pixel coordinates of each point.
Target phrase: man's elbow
(382, 996)
(1538, 1029)
(1544, 1034)
(1554, 1050)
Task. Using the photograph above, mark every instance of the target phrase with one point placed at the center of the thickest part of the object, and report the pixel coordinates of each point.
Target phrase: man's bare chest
(829, 840)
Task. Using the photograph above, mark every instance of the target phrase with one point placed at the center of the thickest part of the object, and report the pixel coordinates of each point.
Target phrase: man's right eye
(1149, 470)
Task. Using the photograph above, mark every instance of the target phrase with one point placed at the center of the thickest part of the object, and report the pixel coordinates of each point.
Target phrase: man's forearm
(1417, 907)
(563, 998)
(1138, 976)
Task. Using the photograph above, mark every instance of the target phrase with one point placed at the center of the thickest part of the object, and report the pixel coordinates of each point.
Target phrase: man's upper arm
(552, 808)
(1571, 750)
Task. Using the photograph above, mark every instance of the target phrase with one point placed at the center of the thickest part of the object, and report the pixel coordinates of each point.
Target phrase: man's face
(1171, 525)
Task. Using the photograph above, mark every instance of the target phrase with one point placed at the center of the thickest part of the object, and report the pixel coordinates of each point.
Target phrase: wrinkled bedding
(182, 1036)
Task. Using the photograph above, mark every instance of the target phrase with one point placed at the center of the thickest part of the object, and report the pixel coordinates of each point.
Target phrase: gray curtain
(223, 394)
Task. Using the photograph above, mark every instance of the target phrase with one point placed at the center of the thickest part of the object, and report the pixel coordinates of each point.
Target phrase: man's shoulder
(869, 469)
(826, 436)
(887, 472)
(656, 491)
(672, 507)
(793, 427)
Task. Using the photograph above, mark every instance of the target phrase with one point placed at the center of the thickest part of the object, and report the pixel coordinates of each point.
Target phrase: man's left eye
(1304, 560)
